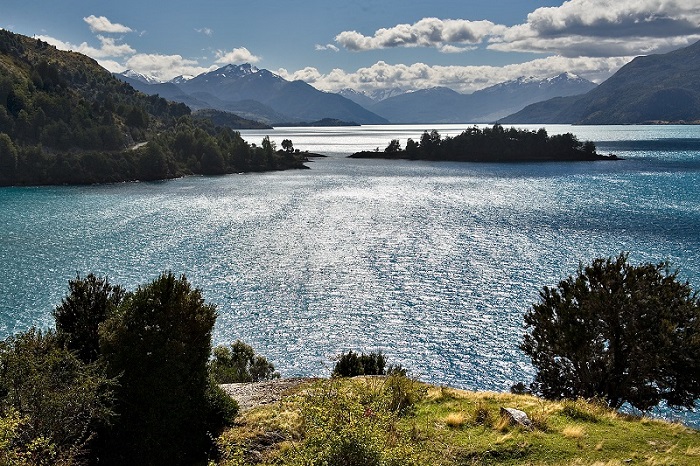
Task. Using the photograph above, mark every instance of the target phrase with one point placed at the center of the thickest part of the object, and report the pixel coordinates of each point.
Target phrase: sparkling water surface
(432, 263)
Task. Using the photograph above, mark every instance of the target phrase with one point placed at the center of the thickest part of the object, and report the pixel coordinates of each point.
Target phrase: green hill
(376, 421)
(66, 120)
(650, 89)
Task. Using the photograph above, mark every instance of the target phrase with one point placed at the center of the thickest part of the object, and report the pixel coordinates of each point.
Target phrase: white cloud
(108, 47)
(332, 47)
(605, 28)
(165, 67)
(447, 48)
(577, 28)
(464, 79)
(112, 66)
(237, 55)
(428, 32)
(206, 31)
(102, 24)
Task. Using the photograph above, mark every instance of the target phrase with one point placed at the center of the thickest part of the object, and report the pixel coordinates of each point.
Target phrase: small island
(494, 144)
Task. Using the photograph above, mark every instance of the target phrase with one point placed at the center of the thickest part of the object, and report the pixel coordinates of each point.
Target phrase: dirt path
(254, 394)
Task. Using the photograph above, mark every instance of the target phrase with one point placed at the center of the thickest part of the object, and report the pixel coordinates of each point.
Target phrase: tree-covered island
(495, 144)
(66, 120)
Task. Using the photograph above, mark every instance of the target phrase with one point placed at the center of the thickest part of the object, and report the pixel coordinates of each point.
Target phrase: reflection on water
(432, 263)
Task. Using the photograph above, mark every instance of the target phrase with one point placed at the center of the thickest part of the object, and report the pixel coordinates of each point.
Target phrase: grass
(348, 422)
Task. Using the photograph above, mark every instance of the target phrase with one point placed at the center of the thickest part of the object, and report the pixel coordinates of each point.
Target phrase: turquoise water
(432, 263)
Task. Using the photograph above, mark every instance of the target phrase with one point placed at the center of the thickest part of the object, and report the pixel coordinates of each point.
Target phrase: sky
(363, 44)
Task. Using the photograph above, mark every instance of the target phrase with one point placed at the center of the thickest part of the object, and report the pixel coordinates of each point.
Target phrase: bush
(239, 363)
(351, 364)
(617, 332)
(158, 343)
(57, 399)
(347, 423)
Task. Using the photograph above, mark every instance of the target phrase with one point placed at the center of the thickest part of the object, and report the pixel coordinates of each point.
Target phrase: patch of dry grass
(455, 420)
(573, 432)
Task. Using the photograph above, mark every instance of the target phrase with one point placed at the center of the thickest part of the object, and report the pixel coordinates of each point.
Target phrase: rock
(517, 417)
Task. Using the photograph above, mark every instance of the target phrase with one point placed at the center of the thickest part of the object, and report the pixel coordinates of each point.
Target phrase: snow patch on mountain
(144, 78)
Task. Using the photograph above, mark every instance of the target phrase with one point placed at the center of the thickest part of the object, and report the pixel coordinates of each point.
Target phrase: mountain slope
(66, 120)
(663, 88)
(442, 105)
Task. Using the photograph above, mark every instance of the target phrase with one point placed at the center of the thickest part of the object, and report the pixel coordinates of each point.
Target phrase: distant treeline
(494, 144)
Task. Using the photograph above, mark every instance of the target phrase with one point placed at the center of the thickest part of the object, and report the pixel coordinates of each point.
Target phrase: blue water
(432, 263)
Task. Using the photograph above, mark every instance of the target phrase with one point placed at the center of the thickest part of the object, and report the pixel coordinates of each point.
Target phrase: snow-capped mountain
(146, 79)
(653, 88)
(562, 81)
(229, 72)
(181, 79)
(368, 98)
(443, 105)
(258, 94)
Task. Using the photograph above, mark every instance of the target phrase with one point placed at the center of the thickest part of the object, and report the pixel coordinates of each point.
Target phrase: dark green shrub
(351, 364)
(90, 302)
(59, 399)
(158, 343)
(618, 332)
(403, 393)
(239, 363)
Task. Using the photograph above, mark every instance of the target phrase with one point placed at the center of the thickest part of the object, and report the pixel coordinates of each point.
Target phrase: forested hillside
(66, 120)
(662, 88)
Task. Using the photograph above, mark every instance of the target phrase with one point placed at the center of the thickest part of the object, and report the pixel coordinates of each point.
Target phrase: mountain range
(257, 94)
(443, 105)
(649, 89)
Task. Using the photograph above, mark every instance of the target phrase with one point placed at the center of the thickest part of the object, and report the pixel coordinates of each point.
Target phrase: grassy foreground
(396, 421)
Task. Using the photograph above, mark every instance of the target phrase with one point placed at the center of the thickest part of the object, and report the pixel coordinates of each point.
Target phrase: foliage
(619, 332)
(158, 343)
(340, 424)
(287, 145)
(239, 363)
(351, 364)
(495, 144)
(59, 400)
(91, 300)
(347, 421)
(394, 146)
(66, 120)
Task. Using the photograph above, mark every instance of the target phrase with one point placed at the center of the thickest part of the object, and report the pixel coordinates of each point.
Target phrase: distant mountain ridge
(257, 94)
(649, 89)
(444, 105)
(369, 98)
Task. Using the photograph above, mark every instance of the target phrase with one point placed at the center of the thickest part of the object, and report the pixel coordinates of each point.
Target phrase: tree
(239, 363)
(393, 147)
(159, 342)
(287, 145)
(624, 333)
(8, 158)
(352, 364)
(90, 302)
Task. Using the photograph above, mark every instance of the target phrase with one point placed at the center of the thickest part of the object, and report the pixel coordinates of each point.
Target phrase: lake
(432, 263)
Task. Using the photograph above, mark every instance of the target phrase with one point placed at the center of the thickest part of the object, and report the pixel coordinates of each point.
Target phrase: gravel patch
(253, 394)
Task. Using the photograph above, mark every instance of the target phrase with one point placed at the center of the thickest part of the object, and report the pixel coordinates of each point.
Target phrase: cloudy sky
(363, 44)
